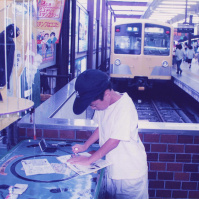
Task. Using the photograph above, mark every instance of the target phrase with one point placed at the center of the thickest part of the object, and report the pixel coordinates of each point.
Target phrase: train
(141, 53)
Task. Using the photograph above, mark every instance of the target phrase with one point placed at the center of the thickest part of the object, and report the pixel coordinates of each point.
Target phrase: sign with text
(49, 19)
(185, 28)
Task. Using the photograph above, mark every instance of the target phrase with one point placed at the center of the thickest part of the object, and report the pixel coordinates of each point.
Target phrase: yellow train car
(141, 52)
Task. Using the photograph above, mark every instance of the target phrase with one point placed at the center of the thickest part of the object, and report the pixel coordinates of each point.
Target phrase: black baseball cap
(88, 86)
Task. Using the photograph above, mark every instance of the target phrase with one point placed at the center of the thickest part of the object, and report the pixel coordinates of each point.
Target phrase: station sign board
(185, 28)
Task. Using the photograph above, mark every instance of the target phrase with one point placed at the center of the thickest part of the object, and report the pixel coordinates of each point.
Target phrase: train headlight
(117, 62)
(165, 64)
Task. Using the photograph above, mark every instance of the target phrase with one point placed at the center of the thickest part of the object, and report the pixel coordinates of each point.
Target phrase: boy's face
(98, 105)
(101, 104)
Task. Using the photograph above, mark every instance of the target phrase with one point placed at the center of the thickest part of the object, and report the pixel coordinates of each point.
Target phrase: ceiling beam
(129, 10)
(125, 3)
(128, 16)
(177, 18)
(194, 9)
(151, 8)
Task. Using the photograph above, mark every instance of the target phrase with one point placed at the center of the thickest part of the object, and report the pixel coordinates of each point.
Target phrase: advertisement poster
(100, 36)
(179, 36)
(80, 65)
(95, 35)
(49, 19)
(76, 28)
(83, 31)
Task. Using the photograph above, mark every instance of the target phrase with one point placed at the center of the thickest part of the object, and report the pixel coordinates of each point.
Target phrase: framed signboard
(83, 31)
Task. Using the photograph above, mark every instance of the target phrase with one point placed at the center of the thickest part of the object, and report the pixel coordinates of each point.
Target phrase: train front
(141, 53)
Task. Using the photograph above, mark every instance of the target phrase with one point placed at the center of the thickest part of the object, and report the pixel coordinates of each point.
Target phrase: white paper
(37, 166)
(82, 170)
(19, 188)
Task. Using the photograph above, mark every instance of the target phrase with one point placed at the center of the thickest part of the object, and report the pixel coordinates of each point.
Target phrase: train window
(156, 40)
(128, 39)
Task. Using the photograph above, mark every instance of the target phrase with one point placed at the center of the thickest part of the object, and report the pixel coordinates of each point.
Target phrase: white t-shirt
(120, 121)
(190, 53)
(179, 54)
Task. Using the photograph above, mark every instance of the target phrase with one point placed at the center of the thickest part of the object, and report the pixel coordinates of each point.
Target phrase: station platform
(55, 115)
(189, 79)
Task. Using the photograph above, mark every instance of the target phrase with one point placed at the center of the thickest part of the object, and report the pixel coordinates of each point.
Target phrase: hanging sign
(185, 28)
(49, 19)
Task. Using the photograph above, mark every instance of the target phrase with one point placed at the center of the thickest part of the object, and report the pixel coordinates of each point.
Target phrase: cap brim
(81, 104)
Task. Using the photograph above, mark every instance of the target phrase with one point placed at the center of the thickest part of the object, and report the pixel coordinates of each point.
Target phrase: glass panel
(76, 28)
(156, 40)
(18, 59)
(128, 39)
(83, 31)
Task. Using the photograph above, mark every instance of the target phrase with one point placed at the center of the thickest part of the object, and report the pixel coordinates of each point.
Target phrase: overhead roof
(170, 11)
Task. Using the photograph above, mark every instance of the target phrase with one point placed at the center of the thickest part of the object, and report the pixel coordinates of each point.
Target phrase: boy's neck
(115, 96)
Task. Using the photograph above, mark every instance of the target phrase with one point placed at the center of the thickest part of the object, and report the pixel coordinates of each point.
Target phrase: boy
(117, 132)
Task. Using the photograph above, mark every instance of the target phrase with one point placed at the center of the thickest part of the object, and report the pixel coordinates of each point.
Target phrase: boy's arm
(109, 145)
(93, 138)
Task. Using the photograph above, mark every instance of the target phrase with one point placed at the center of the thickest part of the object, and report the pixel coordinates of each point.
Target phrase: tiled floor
(190, 76)
(194, 70)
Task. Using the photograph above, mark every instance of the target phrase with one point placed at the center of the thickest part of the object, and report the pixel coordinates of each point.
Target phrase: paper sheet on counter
(82, 170)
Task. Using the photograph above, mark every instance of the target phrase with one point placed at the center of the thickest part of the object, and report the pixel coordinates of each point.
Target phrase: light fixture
(163, 13)
(129, 12)
(176, 6)
(170, 9)
(179, 2)
(130, 0)
(136, 8)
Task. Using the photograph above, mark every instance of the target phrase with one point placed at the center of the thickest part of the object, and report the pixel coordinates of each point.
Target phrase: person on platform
(117, 132)
(179, 58)
(174, 54)
(185, 59)
(190, 55)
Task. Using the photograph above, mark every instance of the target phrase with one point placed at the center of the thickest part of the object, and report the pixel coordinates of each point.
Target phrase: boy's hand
(77, 148)
(81, 160)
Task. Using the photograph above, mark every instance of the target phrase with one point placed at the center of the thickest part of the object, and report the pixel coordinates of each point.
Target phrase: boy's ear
(107, 92)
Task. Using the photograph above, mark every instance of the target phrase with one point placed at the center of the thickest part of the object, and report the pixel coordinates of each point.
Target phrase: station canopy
(169, 11)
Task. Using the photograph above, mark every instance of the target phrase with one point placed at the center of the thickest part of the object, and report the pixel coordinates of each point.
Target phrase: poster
(179, 36)
(49, 19)
(83, 31)
(80, 65)
(95, 35)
